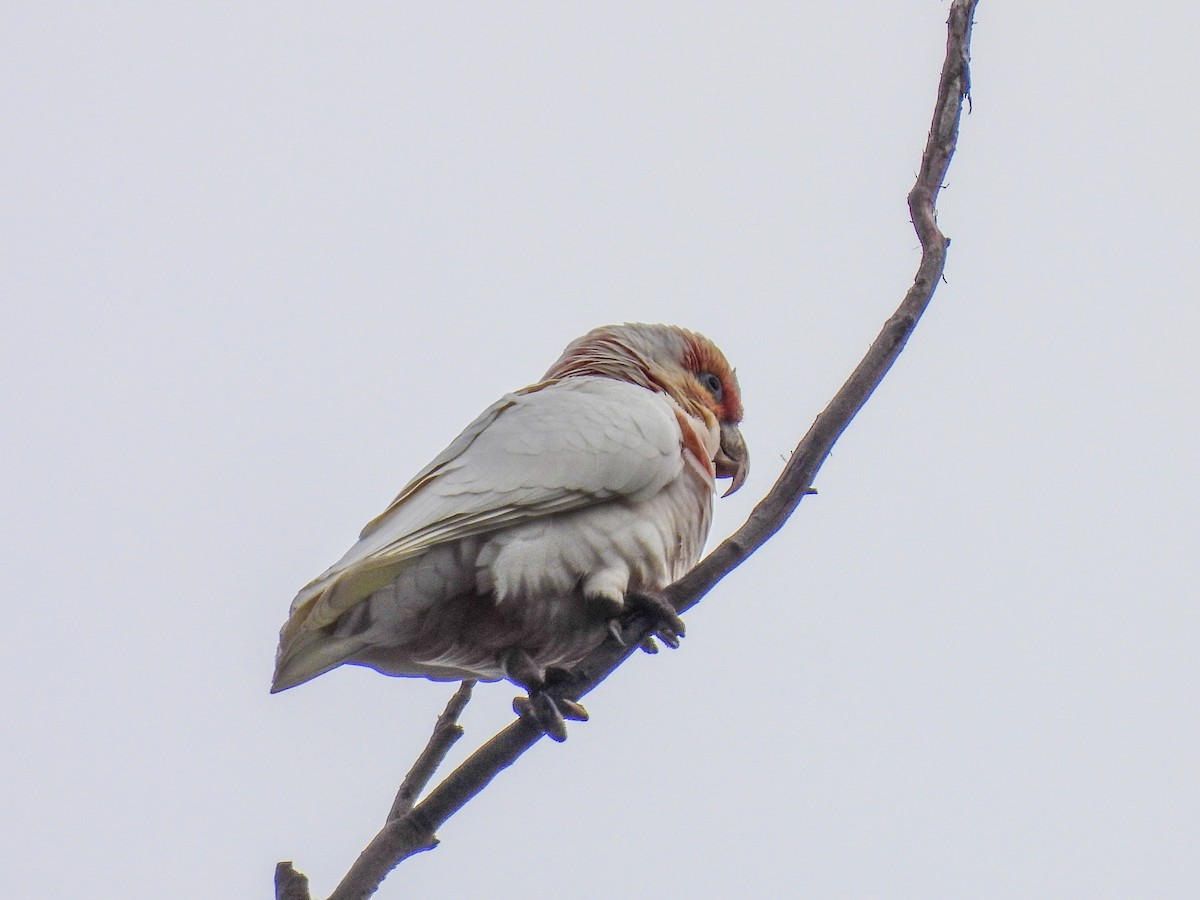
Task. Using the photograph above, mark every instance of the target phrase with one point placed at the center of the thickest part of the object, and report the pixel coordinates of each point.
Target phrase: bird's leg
(545, 708)
(663, 618)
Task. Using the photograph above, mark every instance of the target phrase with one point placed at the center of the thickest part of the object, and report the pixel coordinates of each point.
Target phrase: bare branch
(290, 884)
(411, 829)
(446, 733)
(404, 834)
(797, 477)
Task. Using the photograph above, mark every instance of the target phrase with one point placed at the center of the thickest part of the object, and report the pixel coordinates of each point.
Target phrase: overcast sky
(261, 261)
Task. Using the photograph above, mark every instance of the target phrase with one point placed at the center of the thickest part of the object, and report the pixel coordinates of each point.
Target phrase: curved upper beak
(732, 459)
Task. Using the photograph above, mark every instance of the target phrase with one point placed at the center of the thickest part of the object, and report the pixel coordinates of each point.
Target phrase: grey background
(261, 261)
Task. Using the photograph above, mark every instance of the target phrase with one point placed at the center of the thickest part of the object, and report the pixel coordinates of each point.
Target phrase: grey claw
(540, 712)
(668, 627)
(572, 710)
(543, 708)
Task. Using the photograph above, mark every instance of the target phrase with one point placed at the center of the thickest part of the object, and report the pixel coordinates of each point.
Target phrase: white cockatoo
(564, 504)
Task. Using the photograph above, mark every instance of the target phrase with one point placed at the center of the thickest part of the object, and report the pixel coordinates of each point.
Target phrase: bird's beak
(733, 459)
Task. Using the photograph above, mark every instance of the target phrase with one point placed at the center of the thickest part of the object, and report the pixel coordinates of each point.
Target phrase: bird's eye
(712, 384)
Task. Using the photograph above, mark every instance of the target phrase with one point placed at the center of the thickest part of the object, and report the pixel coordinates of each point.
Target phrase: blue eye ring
(712, 384)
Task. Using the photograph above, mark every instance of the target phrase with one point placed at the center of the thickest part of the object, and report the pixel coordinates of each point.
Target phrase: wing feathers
(556, 447)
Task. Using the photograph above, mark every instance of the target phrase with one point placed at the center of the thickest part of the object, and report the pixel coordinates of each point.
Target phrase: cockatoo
(563, 505)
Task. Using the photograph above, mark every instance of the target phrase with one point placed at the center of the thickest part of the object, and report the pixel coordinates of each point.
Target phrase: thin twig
(446, 732)
(413, 831)
(291, 885)
(404, 834)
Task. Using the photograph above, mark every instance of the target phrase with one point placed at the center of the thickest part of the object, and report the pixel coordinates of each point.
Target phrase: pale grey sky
(260, 262)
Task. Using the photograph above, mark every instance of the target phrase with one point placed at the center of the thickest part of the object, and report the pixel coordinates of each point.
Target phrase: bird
(564, 506)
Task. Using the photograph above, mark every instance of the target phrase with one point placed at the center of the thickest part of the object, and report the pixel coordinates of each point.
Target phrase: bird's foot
(546, 709)
(663, 619)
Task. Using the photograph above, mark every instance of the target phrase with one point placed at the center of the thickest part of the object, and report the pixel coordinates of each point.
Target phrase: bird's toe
(544, 708)
(663, 618)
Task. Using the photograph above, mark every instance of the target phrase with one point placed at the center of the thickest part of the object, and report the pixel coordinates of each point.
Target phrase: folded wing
(558, 446)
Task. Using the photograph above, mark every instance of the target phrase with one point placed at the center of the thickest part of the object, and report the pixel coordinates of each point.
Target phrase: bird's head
(682, 364)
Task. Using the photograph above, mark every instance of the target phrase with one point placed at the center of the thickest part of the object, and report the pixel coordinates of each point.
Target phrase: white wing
(559, 446)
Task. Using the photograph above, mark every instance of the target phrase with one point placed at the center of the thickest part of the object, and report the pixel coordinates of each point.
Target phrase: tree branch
(796, 480)
(404, 833)
(290, 884)
(446, 733)
(409, 828)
